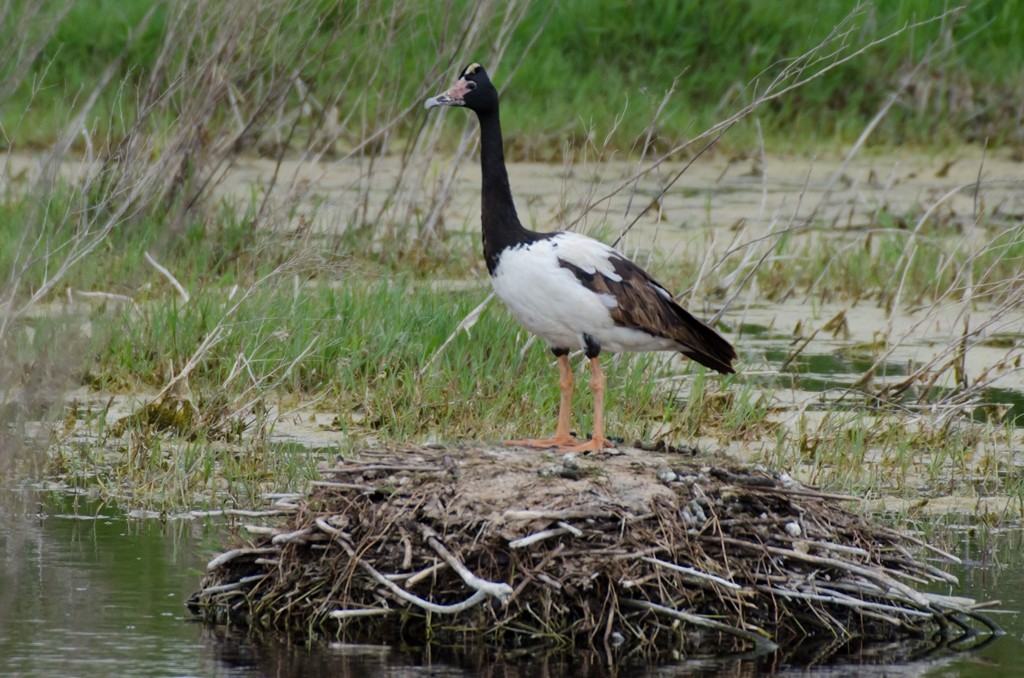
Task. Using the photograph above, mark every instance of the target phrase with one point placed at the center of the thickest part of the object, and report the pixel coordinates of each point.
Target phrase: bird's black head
(473, 90)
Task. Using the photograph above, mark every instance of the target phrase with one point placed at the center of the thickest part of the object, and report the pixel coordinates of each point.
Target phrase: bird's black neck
(501, 226)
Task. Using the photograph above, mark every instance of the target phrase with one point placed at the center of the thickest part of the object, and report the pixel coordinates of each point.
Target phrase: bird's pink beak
(453, 97)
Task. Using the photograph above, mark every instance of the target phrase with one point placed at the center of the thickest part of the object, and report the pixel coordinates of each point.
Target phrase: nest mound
(638, 549)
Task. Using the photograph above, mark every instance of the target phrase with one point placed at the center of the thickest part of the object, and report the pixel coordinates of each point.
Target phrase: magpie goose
(572, 291)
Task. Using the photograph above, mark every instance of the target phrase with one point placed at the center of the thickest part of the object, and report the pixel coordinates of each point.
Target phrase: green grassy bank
(572, 70)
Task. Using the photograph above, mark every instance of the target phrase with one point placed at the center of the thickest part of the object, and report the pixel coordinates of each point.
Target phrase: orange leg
(597, 441)
(562, 436)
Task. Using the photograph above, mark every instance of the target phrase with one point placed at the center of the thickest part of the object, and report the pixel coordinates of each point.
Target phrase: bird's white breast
(550, 301)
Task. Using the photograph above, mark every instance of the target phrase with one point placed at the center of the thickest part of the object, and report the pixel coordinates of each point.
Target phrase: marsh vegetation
(232, 245)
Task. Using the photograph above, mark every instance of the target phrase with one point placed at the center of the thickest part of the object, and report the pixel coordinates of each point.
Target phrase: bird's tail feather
(704, 345)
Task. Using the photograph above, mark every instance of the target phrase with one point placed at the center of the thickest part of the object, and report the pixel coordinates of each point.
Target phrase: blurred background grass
(582, 65)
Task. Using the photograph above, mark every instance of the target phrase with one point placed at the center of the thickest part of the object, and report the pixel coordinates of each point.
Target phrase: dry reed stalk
(214, 60)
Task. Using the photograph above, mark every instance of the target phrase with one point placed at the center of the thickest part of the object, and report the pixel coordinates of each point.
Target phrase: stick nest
(636, 549)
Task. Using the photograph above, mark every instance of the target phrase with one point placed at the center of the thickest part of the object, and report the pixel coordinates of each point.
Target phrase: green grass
(345, 325)
(880, 454)
(371, 341)
(589, 64)
(625, 55)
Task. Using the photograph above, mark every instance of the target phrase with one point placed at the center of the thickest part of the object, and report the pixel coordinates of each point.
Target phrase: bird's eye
(470, 85)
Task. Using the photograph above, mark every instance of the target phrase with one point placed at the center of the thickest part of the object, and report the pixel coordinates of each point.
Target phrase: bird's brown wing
(643, 304)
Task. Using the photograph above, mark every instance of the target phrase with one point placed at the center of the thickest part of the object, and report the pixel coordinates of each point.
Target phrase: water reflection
(87, 591)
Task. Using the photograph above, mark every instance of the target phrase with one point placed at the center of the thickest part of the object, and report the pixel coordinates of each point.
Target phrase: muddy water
(719, 192)
(718, 201)
(87, 591)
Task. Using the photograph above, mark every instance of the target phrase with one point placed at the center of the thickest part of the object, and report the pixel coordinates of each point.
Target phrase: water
(840, 369)
(95, 594)
(87, 591)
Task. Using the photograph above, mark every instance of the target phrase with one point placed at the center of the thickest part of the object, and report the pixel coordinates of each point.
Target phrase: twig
(241, 513)
(757, 639)
(261, 529)
(696, 574)
(550, 581)
(298, 536)
(342, 486)
(232, 586)
(466, 324)
(331, 529)
(840, 548)
(847, 601)
(361, 467)
(531, 539)
(499, 590)
(474, 600)
(413, 578)
(803, 492)
(967, 298)
(278, 375)
(902, 266)
(111, 296)
(576, 532)
(923, 544)
(293, 496)
(228, 556)
(567, 514)
(170, 276)
(367, 612)
(868, 573)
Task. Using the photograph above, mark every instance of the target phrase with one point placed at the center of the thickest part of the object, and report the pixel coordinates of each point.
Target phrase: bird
(572, 291)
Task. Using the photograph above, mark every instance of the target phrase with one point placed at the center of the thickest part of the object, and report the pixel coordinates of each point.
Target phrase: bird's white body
(550, 301)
